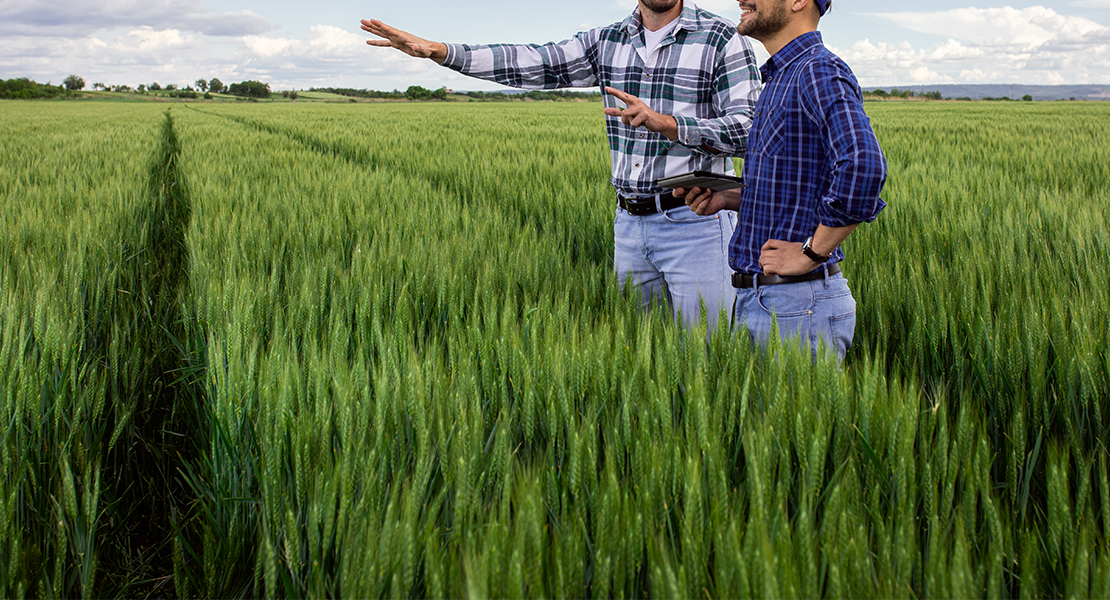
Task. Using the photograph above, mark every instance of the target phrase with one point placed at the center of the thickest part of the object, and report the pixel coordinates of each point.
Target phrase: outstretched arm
(404, 41)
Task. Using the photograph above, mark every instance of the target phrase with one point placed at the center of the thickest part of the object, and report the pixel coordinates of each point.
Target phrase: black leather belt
(747, 280)
(640, 206)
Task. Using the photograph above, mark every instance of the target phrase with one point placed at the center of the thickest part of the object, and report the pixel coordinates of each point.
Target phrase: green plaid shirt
(704, 75)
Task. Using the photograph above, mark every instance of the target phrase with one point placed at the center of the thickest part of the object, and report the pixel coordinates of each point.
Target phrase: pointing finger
(619, 95)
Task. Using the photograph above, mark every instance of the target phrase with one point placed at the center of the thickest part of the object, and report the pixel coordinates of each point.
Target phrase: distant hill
(1014, 91)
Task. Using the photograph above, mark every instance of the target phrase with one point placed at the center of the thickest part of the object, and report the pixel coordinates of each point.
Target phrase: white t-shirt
(652, 40)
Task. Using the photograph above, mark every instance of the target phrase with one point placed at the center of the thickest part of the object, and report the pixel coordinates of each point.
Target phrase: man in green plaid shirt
(680, 86)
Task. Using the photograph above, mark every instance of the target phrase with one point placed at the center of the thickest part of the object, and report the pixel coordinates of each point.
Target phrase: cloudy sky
(295, 44)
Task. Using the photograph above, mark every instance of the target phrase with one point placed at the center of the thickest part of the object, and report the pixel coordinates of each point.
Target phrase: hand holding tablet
(702, 179)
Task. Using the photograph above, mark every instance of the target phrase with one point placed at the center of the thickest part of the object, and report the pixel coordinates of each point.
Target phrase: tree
(416, 92)
(1027, 98)
(142, 88)
(171, 87)
(201, 85)
(250, 89)
(24, 88)
(215, 86)
(74, 83)
(154, 87)
(100, 86)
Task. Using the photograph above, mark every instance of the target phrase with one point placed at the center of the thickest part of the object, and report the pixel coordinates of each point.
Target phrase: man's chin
(660, 6)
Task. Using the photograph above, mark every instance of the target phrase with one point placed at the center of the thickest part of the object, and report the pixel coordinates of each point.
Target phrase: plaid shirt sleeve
(570, 63)
(735, 89)
(858, 164)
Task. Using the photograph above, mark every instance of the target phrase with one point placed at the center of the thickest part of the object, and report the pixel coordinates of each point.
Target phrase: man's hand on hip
(404, 41)
(777, 257)
(639, 114)
(784, 258)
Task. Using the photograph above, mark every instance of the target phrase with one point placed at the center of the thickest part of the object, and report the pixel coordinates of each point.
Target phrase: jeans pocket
(787, 300)
(842, 329)
(683, 214)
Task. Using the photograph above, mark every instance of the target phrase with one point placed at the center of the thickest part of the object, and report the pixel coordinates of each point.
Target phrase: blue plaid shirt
(704, 75)
(812, 155)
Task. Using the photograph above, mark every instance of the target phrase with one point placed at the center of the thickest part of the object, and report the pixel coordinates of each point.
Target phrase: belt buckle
(638, 207)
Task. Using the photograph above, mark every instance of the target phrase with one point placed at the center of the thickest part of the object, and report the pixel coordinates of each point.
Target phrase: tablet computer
(702, 179)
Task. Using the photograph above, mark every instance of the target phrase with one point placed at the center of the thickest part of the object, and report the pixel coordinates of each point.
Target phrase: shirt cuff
(688, 133)
(830, 215)
(455, 57)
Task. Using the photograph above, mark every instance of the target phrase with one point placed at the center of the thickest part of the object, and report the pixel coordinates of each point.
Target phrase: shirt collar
(688, 19)
(793, 50)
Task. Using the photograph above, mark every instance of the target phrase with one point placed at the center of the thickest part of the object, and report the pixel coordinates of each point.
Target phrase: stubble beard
(765, 21)
(659, 6)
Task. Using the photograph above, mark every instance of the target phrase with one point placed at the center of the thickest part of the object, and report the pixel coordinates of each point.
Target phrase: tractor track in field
(159, 437)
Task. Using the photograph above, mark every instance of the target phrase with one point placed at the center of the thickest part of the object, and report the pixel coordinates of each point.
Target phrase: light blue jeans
(816, 311)
(679, 258)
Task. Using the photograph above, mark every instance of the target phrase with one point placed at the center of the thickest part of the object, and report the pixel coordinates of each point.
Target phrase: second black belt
(748, 280)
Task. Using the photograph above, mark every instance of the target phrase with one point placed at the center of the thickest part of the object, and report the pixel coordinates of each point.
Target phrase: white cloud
(46, 18)
(146, 40)
(1005, 26)
(728, 9)
(266, 47)
(995, 45)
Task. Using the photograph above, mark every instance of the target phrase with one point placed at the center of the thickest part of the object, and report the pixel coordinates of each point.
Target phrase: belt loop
(825, 268)
(659, 203)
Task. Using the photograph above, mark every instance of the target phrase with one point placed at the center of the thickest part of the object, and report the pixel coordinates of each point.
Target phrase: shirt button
(641, 135)
(647, 75)
(637, 164)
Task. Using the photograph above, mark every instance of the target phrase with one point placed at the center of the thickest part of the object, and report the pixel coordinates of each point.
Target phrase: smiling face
(762, 19)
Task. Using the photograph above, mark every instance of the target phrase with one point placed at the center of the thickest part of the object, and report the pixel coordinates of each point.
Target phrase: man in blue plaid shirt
(688, 83)
(813, 172)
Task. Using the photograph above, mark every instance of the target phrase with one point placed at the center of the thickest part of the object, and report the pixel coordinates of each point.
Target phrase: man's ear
(801, 6)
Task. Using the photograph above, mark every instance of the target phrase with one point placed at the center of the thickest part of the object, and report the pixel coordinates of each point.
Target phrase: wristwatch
(814, 256)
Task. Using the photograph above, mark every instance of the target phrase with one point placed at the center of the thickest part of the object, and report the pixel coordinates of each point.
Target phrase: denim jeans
(679, 258)
(816, 311)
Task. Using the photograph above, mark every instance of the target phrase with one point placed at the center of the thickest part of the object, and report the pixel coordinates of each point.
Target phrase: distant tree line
(25, 89)
(905, 94)
(416, 92)
(537, 95)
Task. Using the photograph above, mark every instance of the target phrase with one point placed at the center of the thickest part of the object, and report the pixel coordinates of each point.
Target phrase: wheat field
(379, 351)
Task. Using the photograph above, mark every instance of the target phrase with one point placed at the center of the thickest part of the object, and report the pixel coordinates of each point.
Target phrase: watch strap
(811, 253)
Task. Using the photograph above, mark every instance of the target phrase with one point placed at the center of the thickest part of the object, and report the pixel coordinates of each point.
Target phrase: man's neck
(654, 21)
(784, 36)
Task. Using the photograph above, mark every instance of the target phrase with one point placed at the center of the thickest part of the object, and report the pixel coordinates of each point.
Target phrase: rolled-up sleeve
(859, 167)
